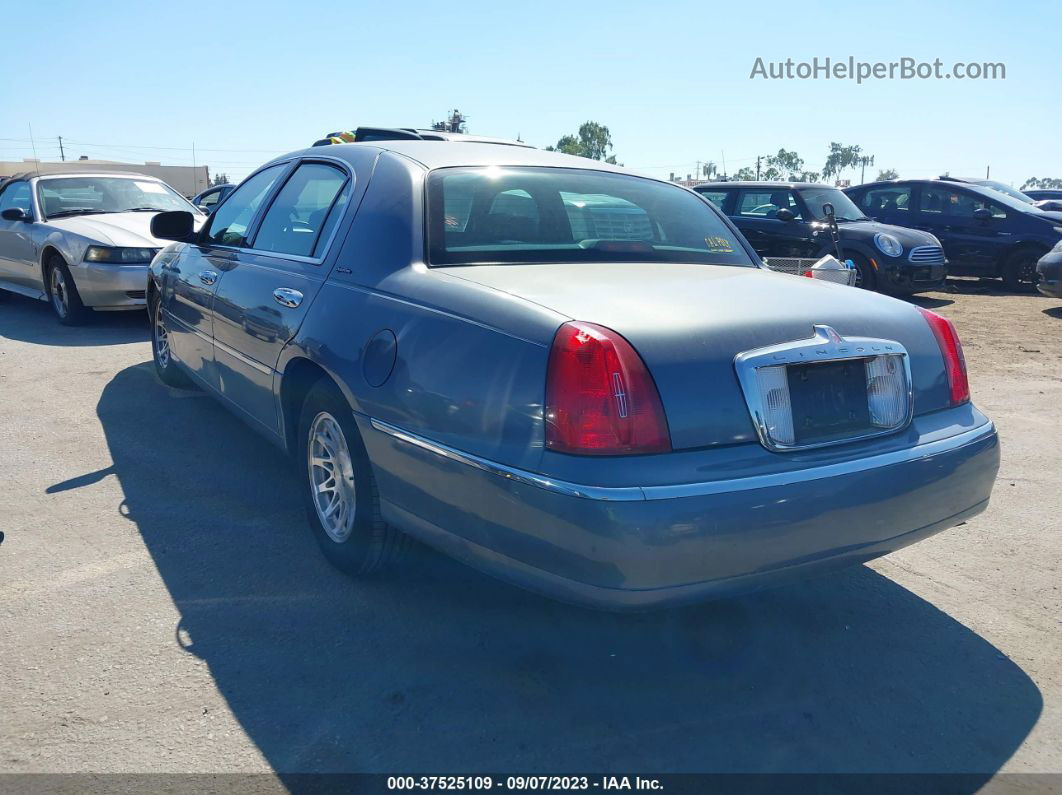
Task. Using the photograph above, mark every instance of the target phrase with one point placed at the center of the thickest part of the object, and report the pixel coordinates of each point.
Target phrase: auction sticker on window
(719, 245)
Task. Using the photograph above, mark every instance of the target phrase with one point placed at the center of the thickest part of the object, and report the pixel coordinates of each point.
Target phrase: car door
(268, 286)
(18, 252)
(755, 214)
(971, 245)
(192, 280)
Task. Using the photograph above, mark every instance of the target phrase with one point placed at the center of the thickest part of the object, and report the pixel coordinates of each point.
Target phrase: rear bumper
(111, 286)
(639, 547)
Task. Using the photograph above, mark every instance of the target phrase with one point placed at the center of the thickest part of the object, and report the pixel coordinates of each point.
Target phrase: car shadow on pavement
(28, 320)
(1054, 311)
(436, 668)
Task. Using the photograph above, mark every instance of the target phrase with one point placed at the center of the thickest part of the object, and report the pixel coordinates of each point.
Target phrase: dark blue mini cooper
(984, 232)
(574, 378)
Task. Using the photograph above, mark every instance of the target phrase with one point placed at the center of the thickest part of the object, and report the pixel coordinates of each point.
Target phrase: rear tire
(1019, 271)
(866, 278)
(339, 487)
(166, 368)
(62, 293)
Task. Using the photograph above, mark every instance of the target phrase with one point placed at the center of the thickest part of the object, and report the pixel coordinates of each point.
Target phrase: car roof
(446, 154)
(737, 183)
(50, 174)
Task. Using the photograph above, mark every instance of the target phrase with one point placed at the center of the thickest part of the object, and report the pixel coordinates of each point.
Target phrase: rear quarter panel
(469, 365)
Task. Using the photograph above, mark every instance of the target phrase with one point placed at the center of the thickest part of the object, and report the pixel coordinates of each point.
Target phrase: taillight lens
(950, 347)
(600, 398)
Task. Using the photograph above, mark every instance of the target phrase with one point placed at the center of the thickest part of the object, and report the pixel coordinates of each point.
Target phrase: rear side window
(299, 215)
(887, 200)
(228, 226)
(531, 214)
(766, 203)
(716, 197)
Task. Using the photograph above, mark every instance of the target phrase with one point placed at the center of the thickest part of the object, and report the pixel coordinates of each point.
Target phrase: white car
(82, 241)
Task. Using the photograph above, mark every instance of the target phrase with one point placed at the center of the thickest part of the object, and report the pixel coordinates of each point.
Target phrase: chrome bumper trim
(702, 489)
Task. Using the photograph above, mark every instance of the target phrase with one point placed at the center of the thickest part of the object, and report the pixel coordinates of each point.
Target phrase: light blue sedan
(574, 378)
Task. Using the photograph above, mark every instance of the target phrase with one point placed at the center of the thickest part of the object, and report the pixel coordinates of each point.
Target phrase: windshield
(844, 209)
(524, 215)
(87, 195)
(1004, 188)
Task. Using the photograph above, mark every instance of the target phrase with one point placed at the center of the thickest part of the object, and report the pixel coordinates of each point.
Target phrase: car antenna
(33, 144)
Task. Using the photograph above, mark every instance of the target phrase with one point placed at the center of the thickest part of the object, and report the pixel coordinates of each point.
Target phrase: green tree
(746, 173)
(593, 141)
(888, 173)
(220, 179)
(709, 170)
(842, 157)
(1046, 183)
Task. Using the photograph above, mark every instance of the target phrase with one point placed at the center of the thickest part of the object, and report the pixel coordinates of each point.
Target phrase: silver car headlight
(119, 255)
(888, 245)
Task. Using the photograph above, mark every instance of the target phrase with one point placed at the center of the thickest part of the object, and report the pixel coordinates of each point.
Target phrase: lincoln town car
(579, 380)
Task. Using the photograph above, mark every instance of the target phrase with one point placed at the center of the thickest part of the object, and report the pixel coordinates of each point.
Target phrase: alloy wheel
(331, 477)
(60, 296)
(162, 340)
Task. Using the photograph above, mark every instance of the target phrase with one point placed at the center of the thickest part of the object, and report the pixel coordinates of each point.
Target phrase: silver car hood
(114, 229)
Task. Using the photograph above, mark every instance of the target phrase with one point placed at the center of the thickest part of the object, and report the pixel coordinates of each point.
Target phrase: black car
(212, 197)
(786, 219)
(1049, 269)
(1048, 199)
(984, 232)
(1044, 194)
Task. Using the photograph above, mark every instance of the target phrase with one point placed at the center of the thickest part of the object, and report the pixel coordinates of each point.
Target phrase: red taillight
(950, 347)
(600, 398)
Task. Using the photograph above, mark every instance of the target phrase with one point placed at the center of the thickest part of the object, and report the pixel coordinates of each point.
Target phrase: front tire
(339, 487)
(62, 293)
(1019, 271)
(866, 278)
(161, 352)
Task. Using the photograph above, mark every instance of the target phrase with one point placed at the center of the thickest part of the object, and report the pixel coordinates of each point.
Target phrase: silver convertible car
(81, 241)
(579, 380)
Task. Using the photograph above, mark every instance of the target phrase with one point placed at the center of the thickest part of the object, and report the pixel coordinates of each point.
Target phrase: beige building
(186, 180)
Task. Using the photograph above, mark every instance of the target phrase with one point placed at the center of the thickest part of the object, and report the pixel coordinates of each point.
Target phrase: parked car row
(902, 236)
(574, 378)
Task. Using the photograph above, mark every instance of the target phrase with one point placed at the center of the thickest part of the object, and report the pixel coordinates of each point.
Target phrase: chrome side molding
(700, 489)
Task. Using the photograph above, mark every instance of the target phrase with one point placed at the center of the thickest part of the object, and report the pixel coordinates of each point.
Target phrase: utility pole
(988, 172)
(62, 154)
(757, 168)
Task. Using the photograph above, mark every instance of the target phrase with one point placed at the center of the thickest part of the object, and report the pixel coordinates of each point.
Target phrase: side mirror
(16, 214)
(174, 225)
(785, 214)
(982, 214)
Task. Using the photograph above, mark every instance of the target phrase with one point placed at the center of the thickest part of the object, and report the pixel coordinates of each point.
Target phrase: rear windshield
(525, 215)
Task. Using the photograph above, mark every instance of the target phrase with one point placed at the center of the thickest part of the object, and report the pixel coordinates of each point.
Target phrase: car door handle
(285, 296)
(208, 277)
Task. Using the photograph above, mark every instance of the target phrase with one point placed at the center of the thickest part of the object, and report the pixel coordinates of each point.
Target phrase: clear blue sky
(248, 80)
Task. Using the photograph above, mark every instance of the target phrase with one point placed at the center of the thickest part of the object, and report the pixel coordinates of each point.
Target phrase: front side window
(766, 203)
(16, 195)
(228, 226)
(65, 196)
(532, 214)
(957, 203)
(296, 220)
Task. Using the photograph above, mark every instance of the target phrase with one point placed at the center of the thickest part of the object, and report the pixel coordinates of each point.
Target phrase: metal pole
(62, 154)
